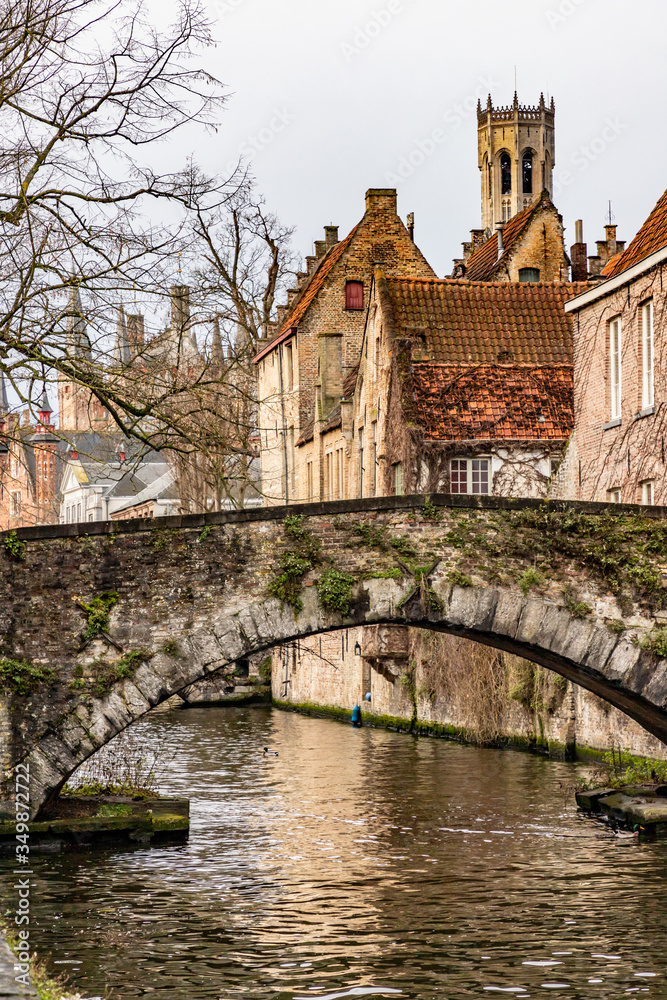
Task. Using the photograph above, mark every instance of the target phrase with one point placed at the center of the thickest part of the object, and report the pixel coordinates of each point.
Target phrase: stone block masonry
(101, 622)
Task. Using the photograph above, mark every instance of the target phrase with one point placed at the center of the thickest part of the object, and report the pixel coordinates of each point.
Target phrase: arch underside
(583, 651)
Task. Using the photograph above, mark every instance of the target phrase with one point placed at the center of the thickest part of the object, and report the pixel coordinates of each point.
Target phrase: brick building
(302, 370)
(29, 466)
(617, 450)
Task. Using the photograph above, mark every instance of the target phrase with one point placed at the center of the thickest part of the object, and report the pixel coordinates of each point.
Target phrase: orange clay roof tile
(493, 402)
(506, 322)
(651, 237)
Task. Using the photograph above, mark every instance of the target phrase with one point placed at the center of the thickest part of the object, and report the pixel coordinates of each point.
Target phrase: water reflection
(357, 863)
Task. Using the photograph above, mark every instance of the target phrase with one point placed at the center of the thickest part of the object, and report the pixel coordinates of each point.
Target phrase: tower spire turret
(516, 157)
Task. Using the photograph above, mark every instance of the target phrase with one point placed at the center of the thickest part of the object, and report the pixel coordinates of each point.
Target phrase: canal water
(356, 863)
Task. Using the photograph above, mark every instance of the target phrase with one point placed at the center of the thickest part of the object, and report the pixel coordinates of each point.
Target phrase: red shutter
(354, 295)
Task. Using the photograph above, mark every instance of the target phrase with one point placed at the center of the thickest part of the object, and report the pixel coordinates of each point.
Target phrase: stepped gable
(651, 237)
(483, 262)
(493, 402)
(479, 322)
(309, 293)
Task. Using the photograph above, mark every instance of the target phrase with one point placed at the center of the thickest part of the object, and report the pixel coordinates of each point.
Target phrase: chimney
(467, 251)
(610, 232)
(280, 315)
(330, 236)
(320, 248)
(381, 200)
(500, 226)
(594, 266)
(411, 225)
(291, 296)
(579, 253)
(311, 264)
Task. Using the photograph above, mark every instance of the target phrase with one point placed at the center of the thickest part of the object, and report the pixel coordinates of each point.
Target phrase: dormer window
(529, 274)
(354, 295)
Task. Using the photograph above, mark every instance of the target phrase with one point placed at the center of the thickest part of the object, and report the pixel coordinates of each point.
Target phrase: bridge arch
(191, 594)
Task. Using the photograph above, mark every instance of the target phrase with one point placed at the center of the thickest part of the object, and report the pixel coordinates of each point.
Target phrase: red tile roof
(464, 321)
(651, 237)
(482, 265)
(309, 293)
(492, 402)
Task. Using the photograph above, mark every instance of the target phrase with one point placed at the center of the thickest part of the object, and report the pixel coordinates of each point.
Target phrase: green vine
(99, 611)
(14, 547)
(430, 512)
(530, 578)
(335, 591)
(21, 677)
(655, 642)
(577, 608)
(294, 565)
(109, 673)
(205, 533)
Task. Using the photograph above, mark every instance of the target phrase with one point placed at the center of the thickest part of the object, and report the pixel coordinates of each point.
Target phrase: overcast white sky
(338, 94)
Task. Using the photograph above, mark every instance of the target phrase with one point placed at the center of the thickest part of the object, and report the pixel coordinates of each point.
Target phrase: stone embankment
(9, 987)
(639, 809)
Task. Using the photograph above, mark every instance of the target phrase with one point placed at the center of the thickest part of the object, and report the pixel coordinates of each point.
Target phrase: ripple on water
(353, 864)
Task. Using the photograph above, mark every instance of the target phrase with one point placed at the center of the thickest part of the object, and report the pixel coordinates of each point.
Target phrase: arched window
(529, 274)
(505, 173)
(527, 172)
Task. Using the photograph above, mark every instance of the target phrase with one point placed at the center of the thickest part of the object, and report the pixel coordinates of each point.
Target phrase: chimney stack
(500, 226)
(411, 225)
(579, 253)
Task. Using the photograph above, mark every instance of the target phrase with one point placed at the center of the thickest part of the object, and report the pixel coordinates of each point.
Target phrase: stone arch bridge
(100, 622)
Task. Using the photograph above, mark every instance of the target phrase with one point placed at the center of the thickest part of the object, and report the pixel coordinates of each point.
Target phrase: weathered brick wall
(606, 455)
(380, 237)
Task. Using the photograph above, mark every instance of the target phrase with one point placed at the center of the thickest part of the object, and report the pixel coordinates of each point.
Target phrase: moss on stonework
(107, 674)
(417, 727)
(23, 678)
(294, 564)
(621, 551)
(99, 611)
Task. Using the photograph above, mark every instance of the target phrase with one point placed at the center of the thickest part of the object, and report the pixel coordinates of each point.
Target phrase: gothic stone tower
(515, 157)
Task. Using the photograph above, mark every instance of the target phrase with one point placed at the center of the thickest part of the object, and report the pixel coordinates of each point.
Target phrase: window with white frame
(648, 492)
(614, 496)
(647, 354)
(615, 367)
(470, 475)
